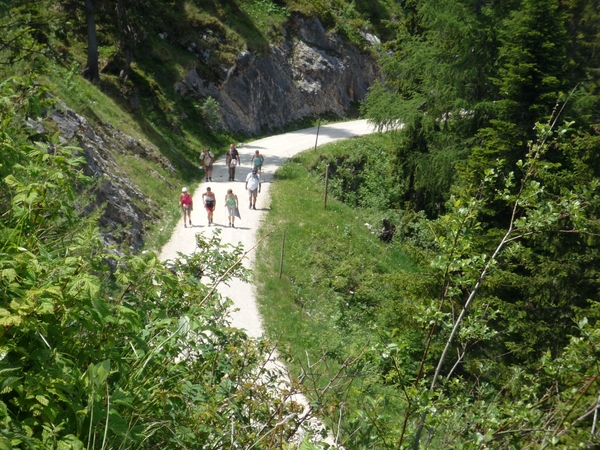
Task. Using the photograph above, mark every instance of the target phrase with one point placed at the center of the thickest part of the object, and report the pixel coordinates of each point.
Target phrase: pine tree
(533, 63)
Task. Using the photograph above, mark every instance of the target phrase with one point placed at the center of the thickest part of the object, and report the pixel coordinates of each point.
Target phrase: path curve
(275, 149)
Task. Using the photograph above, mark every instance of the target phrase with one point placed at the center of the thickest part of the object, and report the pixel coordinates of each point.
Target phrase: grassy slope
(336, 272)
(338, 277)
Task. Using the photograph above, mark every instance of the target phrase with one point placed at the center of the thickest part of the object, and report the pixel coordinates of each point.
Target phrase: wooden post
(282, 250)
(318, 128)
(326, 185)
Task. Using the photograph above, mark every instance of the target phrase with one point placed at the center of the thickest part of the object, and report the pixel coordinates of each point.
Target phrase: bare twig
(233, 266)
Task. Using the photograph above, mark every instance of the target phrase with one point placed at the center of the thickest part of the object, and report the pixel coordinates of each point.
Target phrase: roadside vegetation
(339, 283)
(474, 325)
(143, 50)
(337, 274)
(490, 175)
(364, 324)
(101, 349)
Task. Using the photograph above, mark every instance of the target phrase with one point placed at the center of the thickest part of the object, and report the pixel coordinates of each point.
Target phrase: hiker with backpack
(253, 185)
(208, 198)
(207, 158)
(232, 159)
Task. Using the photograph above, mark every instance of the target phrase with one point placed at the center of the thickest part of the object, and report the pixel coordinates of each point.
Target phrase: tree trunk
(124, 40)
(91, 71)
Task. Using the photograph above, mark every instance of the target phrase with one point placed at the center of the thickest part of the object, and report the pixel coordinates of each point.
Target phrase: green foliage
(493, 343)
(362, 173)
(490, 342)
(98, 350)
(349, 18)
(339, 281)
(211, 113)
(466, 77)
(18, 35)
(524, 312)
(532, 62)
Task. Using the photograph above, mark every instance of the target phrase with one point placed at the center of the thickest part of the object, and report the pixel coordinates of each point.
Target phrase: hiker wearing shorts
(231, 202)
(207, 158)
(187, 205)
(253, 185)
(208, 198)
(257, 161)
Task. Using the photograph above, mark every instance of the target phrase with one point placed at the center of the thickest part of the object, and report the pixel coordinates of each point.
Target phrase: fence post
(326, 185)
(282, 250)
(318, 128)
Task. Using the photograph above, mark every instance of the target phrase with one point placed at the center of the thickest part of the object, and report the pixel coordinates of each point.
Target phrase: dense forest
(487, 165)
(491, 175)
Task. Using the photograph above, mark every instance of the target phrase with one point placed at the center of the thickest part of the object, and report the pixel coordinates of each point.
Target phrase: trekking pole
(318, 127)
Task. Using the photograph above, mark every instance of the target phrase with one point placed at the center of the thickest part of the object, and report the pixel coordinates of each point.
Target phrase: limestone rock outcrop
(310, 74)
(122, 222)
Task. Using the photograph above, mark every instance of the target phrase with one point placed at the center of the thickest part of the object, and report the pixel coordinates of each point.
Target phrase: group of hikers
(232, 160)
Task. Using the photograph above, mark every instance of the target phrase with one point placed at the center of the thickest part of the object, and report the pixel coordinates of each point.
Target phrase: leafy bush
(211, 113)
(136, 356)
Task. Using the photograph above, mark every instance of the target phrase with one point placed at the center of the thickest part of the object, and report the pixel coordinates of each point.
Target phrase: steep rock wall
(309, 74)
(122, 220)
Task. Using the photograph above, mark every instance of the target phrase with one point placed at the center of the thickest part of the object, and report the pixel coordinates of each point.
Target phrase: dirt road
(275, 149)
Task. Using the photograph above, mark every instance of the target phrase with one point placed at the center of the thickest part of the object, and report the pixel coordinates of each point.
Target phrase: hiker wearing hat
(253, 185)
(209, 204)
(187, 205)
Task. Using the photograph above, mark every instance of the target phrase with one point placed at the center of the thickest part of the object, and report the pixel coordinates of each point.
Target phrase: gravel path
(275, 149)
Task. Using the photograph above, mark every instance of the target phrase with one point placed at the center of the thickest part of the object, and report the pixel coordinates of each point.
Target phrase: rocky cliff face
(122, 221)
(309, 74)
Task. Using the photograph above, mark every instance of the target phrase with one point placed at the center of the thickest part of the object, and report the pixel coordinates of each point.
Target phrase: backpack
(257, 160)
(209, 154)
(253, 181)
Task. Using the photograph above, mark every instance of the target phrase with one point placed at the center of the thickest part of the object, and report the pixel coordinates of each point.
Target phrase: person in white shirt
(253, 185)
(207, 158)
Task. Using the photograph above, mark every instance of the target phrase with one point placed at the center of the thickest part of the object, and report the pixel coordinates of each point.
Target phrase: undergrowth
(338, 278)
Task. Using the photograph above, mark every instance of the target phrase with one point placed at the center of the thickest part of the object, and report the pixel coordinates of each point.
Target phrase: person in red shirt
(186, 203)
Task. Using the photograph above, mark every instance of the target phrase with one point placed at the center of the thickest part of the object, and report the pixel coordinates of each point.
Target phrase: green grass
(338, 277)
(173, 124)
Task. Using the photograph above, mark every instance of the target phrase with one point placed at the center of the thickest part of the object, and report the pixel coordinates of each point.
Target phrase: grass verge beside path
(338, 278)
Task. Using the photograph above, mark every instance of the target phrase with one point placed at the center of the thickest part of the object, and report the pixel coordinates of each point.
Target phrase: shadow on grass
(239, 21)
